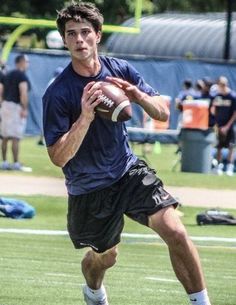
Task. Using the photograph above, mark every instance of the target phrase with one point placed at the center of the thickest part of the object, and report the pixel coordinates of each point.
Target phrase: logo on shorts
(165, 197)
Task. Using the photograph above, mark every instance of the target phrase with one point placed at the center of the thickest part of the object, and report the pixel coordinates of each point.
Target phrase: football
(115, 105)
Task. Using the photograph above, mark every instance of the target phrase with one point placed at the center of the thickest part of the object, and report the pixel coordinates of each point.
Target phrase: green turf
(51, 215)
(45, 270)
(36, 156)
(163, 162)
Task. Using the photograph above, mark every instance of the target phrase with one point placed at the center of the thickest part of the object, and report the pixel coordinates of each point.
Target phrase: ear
(63, 39)
(99, 36)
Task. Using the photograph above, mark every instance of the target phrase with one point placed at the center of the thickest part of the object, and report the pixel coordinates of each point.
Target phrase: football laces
(107, 101)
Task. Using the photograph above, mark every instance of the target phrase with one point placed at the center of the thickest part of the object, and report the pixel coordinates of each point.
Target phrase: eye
(85, 32)
(71, 33)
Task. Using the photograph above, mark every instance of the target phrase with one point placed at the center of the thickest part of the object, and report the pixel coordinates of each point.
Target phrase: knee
(103, 261)
(177, 237)
(88, 260)
(108, 258)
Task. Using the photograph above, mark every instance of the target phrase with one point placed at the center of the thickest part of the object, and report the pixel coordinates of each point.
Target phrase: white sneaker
(230, 169)
(220, 168)
(90, 301)
(5, 165)
(19, 167)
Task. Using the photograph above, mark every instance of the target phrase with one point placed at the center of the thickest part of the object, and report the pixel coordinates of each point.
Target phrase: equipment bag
(14, 208)
(215, 217)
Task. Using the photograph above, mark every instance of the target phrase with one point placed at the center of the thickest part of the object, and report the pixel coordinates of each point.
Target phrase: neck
(87, 68)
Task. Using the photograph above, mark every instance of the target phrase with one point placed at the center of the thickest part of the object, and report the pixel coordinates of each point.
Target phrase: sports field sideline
(190, 196)
(39, 265)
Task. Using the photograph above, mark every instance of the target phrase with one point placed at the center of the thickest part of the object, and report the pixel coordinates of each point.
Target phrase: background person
(55, 74)
(224, 110)
(104, 179)
(1, 86)
(186, 93)
(205, 93)
(1, 96)
(14, 111)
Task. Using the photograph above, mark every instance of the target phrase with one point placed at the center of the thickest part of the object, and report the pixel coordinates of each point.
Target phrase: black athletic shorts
(97, 219)
(228, 140)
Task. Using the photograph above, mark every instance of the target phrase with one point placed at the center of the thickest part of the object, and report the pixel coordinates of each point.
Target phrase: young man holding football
(104, 179)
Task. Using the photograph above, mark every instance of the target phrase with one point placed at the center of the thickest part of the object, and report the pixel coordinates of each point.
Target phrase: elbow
(164, 115)
(55, 158)
(58, 163)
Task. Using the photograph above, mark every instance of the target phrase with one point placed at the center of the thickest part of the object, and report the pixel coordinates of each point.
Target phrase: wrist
(84, 120)
(24, 107)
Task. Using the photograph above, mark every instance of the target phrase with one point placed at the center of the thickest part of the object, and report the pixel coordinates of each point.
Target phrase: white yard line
(125, 235)
(159, 279)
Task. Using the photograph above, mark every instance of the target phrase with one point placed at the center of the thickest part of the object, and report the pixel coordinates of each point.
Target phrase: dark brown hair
(78, 12)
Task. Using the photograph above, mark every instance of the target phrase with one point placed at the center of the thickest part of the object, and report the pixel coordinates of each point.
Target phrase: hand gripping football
(115, 105)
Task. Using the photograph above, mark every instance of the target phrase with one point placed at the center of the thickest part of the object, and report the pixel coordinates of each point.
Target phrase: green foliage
(115, 11)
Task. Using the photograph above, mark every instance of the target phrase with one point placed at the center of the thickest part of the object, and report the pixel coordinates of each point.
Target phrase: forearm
(231, 121)
(1, 93)
(67, 146)
(154, 106)
(24, 101)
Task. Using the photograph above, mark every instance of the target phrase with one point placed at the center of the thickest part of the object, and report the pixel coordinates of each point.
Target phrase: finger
(94, 97)
(89, 86)
(117, 81)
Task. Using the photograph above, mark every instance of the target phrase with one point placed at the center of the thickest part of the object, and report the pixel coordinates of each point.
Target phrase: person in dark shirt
(1, 94)
(104, 179)
(186, 93)
(1, 86)
(14, 110)
(223, 109)
(206, 95)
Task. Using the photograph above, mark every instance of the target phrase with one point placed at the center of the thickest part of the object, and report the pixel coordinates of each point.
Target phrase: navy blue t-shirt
(1, 77)
(225, 107)
(11, 85)
(104, 155)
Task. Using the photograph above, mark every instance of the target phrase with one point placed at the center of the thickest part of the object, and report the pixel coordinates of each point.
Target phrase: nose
(79, 38)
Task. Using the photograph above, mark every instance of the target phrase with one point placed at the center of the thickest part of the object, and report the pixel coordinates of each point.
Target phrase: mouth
(81, 49)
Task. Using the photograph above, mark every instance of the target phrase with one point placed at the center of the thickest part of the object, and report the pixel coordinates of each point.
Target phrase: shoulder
(1, 77)
(60, 88)
(18, 75)
(113, 61)
(117, 65)
(121, 68)
(233, 94)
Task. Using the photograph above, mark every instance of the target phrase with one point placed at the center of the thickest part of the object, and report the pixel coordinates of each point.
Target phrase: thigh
(166, 223)
(13, 125)
(144, 193)
(94, 220)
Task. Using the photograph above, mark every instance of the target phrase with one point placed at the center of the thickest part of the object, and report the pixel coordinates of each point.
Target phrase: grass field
(45, 269)
(36, 157)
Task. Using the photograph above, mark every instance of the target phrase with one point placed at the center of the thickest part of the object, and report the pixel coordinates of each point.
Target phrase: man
(1, 84)
(105, 180)
(224, 111)
(1, 92)
(14, 110)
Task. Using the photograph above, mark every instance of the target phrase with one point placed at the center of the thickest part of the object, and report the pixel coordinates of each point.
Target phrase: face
(81, 40)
